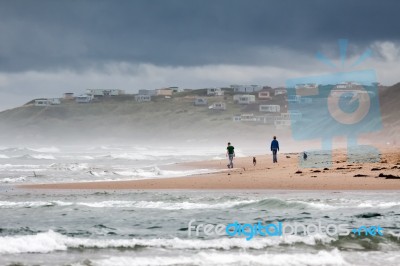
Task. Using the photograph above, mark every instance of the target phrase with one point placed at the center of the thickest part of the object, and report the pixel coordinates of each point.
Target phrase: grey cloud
(43, 35)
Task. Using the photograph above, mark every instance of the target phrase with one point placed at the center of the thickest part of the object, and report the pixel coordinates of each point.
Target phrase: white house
(215, 92)
(248, 118)
(218, 106)
(246, 88)
(142, 98)
(200, 101)
(95, 92)
(102, 92)
(270, 108)
(176, 89)
(84, 98)
(42, 102)
(244, 98)
(47, 102)
(116, 92)
(54, 101)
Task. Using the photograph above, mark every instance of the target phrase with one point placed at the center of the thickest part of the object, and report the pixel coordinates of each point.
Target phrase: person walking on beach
(230, 153)
(274, 149)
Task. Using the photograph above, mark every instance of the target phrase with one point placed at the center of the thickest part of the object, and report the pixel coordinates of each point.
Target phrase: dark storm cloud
(43, 35)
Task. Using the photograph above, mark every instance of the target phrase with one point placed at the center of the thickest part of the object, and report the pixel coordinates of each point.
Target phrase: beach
(120, 205)
(287, 174)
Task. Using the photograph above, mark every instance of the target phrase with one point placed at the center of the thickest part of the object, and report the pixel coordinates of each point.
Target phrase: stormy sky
(55, 46)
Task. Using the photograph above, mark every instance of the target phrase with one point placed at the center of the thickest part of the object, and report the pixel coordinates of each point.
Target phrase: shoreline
(285, 175)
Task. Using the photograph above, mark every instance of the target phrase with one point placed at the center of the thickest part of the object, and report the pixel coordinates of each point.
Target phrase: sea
(163, 227)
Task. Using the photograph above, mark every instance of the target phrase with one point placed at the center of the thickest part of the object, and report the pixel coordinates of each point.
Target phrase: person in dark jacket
(274, 149)
(230, 153)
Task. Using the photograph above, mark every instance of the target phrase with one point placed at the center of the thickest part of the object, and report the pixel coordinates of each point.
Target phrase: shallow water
(65, 164)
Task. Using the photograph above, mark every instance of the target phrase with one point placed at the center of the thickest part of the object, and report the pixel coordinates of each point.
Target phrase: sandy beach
(285, 175)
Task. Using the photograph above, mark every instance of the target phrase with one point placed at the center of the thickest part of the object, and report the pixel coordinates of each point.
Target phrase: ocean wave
(45, 149)
(157, 172)
(129, 156)
(333, 257)
(24, 166)
(125, 204)
(25, 149)
(3, 156)
(25, 204)
(51, 241)
(13, 180)
(274, 203)
(69, 166)
(162, 205)
(36, 156)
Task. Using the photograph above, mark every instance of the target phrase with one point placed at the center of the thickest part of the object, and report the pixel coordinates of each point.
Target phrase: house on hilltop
(215, 92)
(84, 98)
(270, 108)
(264, 94)
(218, 106)
(47, 102)
(246, 88)
(244, 98)
(102, 92)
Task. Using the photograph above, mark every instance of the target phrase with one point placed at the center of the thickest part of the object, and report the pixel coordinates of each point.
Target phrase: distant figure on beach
(254, 161)
(230, 153)
(274, 149)
(305, 156)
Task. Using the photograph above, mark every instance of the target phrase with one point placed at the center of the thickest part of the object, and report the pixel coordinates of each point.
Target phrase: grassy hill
(121, 118)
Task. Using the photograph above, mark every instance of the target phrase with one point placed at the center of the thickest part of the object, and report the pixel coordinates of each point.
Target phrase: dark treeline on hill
(172, 119)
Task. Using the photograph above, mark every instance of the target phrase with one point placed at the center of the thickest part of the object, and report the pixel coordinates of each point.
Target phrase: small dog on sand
(254, 161)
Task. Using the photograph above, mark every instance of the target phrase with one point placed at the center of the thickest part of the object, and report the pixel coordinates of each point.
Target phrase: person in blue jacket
(274, 149)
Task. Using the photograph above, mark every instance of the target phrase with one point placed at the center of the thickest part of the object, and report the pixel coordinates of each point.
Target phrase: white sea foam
(130, 156)
(163, 205)
(43, 156)
(347, 204)
(52, 241)
(377, 204)
(24, 204)
(127, 204)
(3, 156)
(69, 166)
(36, 156)
(13, 180)
(157, 172)
(45, 149)
(333, 257)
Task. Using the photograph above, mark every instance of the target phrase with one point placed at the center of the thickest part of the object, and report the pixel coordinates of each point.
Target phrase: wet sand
(285, 175)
